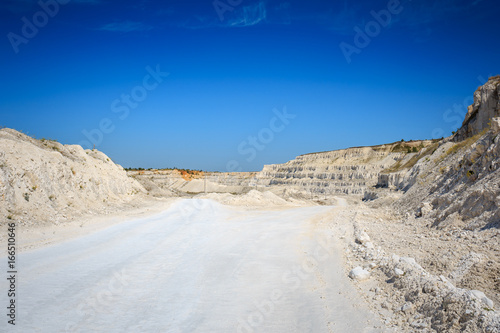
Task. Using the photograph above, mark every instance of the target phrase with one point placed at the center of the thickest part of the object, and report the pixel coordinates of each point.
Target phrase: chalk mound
(44, 181)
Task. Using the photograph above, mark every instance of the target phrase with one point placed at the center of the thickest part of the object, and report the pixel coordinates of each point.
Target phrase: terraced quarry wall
(345, 171)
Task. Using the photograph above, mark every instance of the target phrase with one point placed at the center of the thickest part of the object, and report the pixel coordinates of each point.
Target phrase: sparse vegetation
(27, 197)
(463, 144)
(408, 165)
(9, 217)
(47, 140)
(189, 171)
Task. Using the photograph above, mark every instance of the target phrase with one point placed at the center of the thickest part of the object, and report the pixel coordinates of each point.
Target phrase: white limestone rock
(359, 274)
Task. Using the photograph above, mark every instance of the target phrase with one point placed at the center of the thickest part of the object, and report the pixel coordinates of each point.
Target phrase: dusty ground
(198, 266)
(445, 261)
(31, 237)
(438, 270)
(471, 259)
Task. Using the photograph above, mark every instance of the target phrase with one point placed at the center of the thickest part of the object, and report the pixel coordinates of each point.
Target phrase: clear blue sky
(84, 66)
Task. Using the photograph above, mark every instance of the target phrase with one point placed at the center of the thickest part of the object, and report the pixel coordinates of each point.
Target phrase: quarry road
(197, 267)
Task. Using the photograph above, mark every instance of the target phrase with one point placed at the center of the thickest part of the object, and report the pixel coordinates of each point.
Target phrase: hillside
(43, 181)
(457, 182)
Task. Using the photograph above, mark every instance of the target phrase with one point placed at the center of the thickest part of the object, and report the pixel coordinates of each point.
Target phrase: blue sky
(235, 84)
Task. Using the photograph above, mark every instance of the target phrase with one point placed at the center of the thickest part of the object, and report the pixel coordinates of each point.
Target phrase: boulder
(424, 209)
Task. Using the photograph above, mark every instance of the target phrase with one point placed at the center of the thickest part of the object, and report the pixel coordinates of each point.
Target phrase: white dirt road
(197, 267)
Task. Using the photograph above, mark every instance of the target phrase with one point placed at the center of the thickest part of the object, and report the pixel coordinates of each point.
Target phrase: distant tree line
(166, 169)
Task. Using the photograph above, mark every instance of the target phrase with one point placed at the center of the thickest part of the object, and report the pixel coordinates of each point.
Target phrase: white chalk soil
(199, 266)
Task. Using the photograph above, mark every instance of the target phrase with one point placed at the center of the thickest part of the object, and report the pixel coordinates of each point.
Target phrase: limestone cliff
(345, 171)
(485, 107)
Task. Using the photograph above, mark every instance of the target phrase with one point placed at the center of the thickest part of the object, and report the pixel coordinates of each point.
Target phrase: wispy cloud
(126, 26)
(248, 15)
(240, 16)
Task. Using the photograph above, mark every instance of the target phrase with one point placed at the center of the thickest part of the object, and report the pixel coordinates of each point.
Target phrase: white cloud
(249, 15)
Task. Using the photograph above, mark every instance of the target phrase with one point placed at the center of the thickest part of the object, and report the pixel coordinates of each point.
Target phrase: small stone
(359, 274)
(481, 296)
(407, 307)
(362, 237)
(398, 272)
(408, 260)
(419, 324)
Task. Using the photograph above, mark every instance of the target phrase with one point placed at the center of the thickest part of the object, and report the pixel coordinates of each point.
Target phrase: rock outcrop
(345, 171)
(485, 107)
